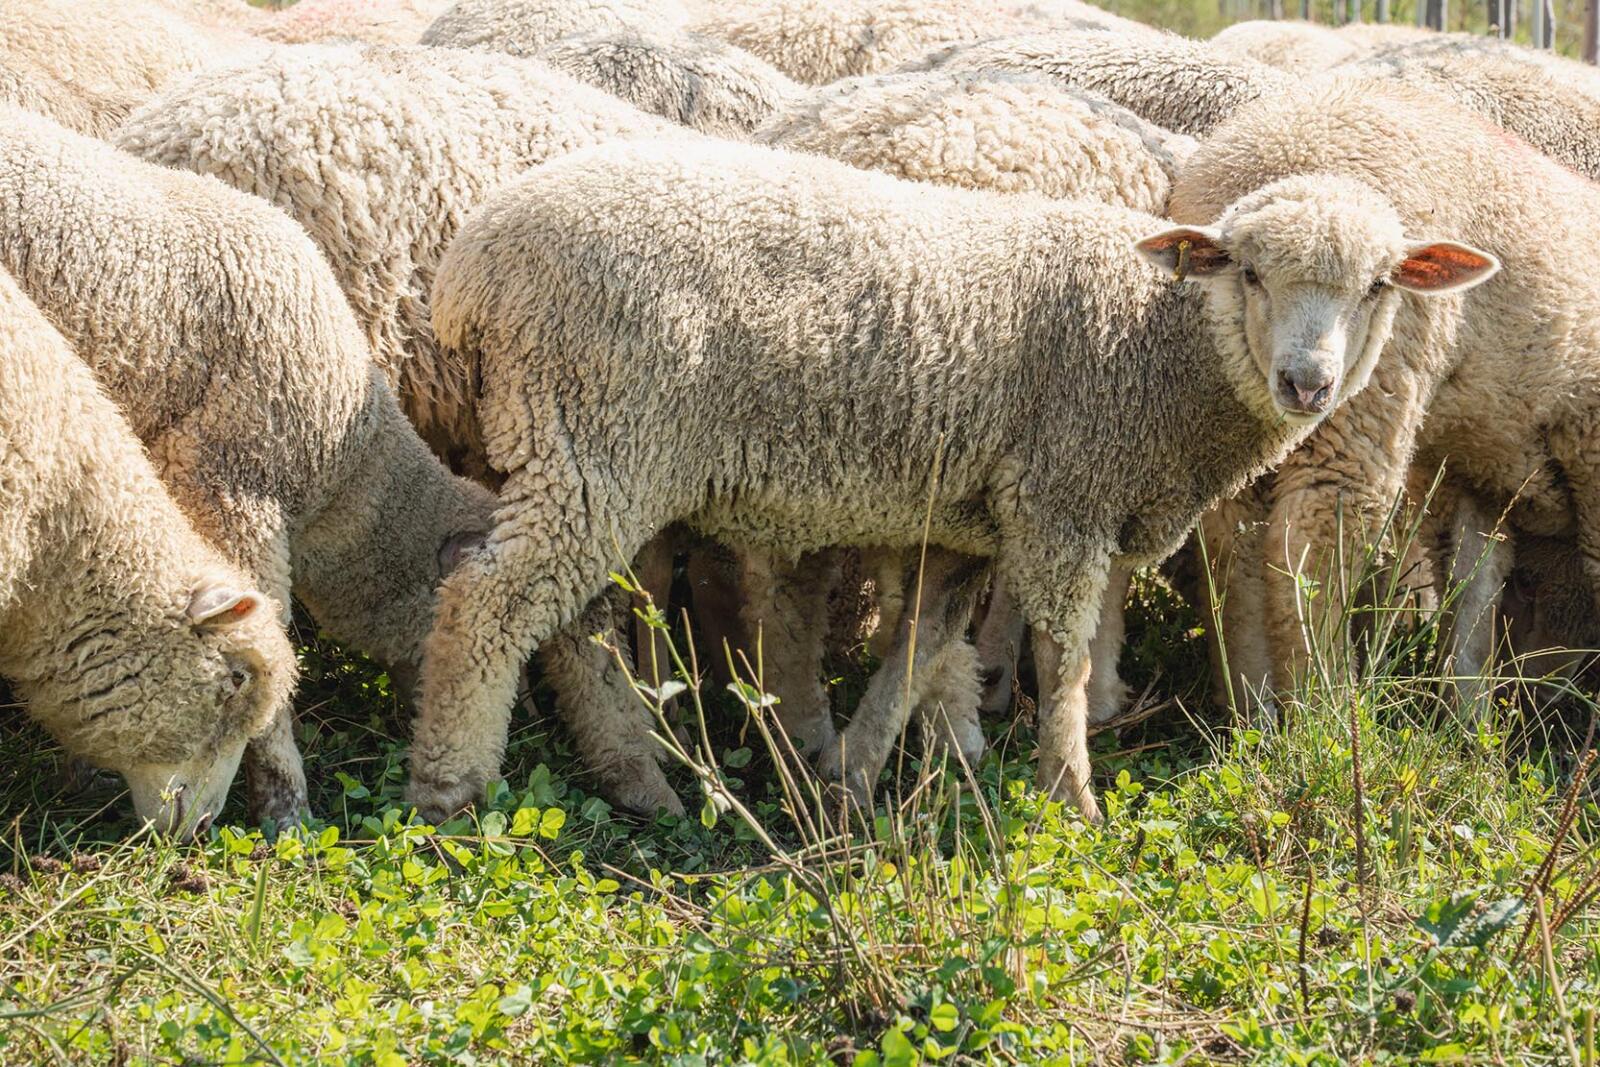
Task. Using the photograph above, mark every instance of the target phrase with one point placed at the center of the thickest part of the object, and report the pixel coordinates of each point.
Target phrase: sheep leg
(903, 680)
(887, 569)
(718, 600)
(1231, 597)
(653, 569)
(787, 604)
(1108, 693)
(547, 558)
(1063, 601)
(609, 723)
(1000, 637)
(1336, 487)
(948, 709)
(1478, 567)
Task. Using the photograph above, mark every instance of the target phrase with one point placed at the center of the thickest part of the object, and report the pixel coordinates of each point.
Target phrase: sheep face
(1305, 274)
(168, 694)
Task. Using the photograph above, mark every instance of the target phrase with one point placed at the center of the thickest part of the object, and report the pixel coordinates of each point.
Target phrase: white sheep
(987, 130)
(111, 53)
(1464, 394)
(1178, 84)
(792, 353)
(820, 41)
(1296, 47)
(373, 21)
(533, 24)
(74, 106)
(1009, 133)
(131, 640)
(694, 80)
(446, 126)
(217, 325)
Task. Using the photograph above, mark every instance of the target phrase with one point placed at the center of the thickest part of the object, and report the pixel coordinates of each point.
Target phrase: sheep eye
(1249, 274)
(1377, 286)
(239, 676)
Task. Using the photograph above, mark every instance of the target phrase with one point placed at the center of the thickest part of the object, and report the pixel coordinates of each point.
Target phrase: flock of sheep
(432, 316)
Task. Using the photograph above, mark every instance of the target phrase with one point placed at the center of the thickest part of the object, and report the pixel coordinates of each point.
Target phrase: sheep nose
(1310, 391)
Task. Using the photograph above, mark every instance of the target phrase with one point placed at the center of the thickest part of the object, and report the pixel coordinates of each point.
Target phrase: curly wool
(692, 79)
(1178, 84)
(99, 572)
(74, 106)
(1010, 133)
(373, 21)
(216, 323)
(112, 54)
(1510, 428)
(530, 25)
(821, 41)
(780, 349)
(381, 153)
(1550, 102)
(1296, 47)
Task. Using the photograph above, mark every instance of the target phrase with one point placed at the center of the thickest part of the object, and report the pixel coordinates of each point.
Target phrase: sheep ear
(1437, 267)
(458, 548)
(216, 606)
(1185, 252)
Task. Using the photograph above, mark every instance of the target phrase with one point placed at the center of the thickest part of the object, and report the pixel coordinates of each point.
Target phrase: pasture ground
(1245, 902)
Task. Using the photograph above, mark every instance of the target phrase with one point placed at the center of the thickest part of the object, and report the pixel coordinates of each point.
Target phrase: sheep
(789, 352)
(1548, 605)
(1010, 133)
(532, 24)
(1179, 85)
(449, 127)
(1297, 47)
(1550, 102)
(693, 80)
(373, 21)
(216, 324)
(822, 42)
(987, 130)
(1516, 432)
(132, 640)
(444, 125)
(113, 53)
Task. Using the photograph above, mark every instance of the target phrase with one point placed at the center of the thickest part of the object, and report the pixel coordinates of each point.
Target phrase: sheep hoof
(643, 790)
(1061, 788)
(438, 801)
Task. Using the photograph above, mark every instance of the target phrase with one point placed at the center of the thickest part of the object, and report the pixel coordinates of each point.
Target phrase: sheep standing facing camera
(1460, 391)
(794, 354)
(217, 325)
(131, 640)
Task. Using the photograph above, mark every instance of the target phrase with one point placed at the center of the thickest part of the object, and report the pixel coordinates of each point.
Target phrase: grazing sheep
(112, 53)
(1512, 428)
(1178, 84)
(821, 42)
(212, 319)
(133, 641)
(693, 80)
(795, 354)
(1297, 47)
(373, 21)
(530, 25)
(982, 130)
(445, 126)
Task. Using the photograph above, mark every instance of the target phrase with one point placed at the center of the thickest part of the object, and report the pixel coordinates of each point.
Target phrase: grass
(1243, 903)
